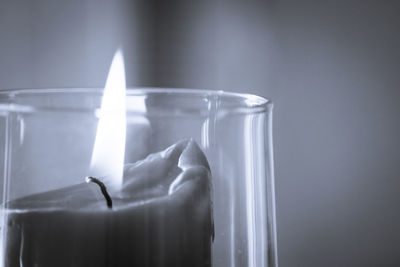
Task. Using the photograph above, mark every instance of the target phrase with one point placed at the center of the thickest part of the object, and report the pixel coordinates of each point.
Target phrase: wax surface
(162, 216)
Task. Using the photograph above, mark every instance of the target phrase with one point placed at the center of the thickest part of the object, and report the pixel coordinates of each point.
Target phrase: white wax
(162, 216)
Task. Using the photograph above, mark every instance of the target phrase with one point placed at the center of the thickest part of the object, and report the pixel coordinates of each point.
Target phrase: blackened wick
(103, 189)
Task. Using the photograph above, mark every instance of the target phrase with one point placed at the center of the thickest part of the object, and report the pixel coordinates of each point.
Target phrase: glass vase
(47, 140)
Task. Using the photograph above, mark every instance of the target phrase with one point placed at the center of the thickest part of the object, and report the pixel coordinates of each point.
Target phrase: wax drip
(103, 189)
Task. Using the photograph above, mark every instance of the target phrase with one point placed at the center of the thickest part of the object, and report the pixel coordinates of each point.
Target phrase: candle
(160, 216)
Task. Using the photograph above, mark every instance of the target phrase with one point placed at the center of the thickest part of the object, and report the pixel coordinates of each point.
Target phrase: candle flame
(109, 147)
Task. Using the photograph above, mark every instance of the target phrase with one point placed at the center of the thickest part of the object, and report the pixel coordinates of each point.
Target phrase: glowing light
(109, 147)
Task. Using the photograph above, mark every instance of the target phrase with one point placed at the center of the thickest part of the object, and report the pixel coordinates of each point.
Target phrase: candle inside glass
(162, 216)
(48, 143)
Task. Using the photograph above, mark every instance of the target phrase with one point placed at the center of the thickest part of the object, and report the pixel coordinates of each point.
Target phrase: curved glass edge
(251, 102)
(271, 188)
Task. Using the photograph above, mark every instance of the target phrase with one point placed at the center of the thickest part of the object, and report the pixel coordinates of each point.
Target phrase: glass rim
(248, 101)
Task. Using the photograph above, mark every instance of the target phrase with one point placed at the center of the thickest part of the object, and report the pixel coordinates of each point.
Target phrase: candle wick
(103, 189)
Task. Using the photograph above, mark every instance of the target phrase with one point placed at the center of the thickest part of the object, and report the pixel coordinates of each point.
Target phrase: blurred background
(331, 68)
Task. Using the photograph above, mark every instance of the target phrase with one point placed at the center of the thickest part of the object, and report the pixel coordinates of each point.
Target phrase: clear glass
(47, 138)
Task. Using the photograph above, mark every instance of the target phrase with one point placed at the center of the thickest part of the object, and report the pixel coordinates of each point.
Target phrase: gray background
(331, 67)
